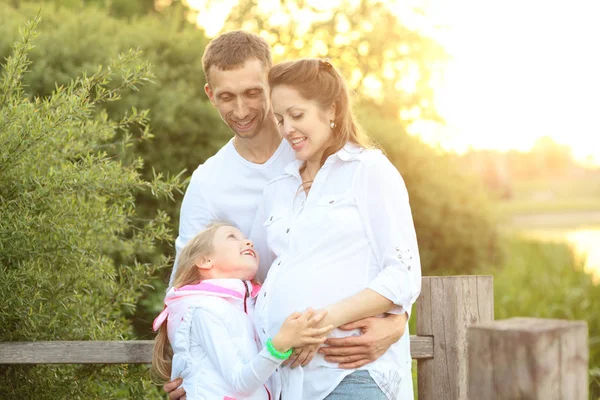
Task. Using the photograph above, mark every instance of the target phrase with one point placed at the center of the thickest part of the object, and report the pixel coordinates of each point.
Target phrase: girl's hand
(302, 355)
(302, 329)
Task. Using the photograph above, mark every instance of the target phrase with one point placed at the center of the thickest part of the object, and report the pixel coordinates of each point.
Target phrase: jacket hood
(179, 300)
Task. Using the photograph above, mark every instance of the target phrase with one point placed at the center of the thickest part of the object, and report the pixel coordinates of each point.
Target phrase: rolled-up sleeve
(213, 334)
(383, 204)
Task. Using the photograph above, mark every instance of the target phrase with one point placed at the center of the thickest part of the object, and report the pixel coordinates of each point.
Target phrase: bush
(66, 208)
(454, 224)
(453, 218)
(546, 280)
(454, 227)
(186, 128)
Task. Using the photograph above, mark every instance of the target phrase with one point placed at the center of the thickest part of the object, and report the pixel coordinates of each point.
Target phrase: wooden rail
(461, 352)
(120, 352)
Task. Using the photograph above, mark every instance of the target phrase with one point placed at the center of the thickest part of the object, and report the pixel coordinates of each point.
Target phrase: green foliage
(67, 204)
(366, 39)
(573, 193)
(453, 217)
(546, 280)
(76, 214)
(186, 129)
(456, 233)
(116, 8)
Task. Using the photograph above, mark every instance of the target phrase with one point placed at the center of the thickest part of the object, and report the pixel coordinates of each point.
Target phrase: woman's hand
(302, 329)
(377, 335)
(302, 355)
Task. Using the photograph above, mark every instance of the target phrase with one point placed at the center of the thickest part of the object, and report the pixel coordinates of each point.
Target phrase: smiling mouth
(245, 124)
(297, 141)
(249, 252)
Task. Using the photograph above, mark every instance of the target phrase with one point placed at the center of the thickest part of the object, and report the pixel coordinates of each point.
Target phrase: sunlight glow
(519, 70)
(212, 15)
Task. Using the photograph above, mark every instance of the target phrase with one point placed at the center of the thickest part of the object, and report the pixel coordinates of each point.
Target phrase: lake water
(585, 242)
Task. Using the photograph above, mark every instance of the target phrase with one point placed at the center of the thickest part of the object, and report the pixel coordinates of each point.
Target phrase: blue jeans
(357, 386)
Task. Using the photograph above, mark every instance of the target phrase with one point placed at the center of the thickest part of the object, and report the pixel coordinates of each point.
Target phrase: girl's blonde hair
(200, 247)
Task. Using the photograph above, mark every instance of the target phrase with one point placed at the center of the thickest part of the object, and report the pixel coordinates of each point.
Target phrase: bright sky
(520, 69)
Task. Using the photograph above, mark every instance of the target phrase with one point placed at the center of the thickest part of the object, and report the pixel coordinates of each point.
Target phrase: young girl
(207, 321)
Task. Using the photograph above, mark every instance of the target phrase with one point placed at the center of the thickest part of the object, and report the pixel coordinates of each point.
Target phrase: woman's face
(233, 255)
(302, 122)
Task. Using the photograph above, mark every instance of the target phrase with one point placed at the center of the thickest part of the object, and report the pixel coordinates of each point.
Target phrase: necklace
(307, 180)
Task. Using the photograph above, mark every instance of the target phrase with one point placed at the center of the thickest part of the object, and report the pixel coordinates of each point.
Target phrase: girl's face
(233, 255)
(302, 122)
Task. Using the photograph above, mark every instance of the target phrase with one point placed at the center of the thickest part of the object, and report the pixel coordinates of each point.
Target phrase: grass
(553, 195)
(546, 280)
(532, 206)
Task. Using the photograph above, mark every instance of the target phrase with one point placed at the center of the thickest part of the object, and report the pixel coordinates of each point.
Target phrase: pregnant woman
(335, 232)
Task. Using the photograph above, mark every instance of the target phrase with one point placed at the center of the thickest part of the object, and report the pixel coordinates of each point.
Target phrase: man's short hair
(232, 49)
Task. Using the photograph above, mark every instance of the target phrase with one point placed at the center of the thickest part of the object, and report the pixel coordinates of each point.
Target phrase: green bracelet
(277, 354)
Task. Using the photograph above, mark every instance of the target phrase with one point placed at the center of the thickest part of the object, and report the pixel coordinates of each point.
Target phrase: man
(229, 185)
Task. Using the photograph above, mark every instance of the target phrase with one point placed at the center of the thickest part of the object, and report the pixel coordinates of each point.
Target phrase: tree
(67, 206)
(186, 129)
(455, 225)
(550, 158)
(455, 231)
(386, 62)
(116, 8)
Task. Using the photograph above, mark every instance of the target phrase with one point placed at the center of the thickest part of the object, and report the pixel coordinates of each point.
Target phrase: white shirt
(353, 231)
(227, 187)
(215, 348)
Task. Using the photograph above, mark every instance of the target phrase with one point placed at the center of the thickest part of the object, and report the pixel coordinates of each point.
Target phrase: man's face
(242, 97)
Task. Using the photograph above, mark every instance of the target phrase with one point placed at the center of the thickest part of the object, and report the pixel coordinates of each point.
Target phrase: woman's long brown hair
(318, 80)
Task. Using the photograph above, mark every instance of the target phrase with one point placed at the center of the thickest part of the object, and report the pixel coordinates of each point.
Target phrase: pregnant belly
(296, 289)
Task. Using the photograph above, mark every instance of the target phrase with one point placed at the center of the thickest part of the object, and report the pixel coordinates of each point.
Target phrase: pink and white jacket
(216, 350)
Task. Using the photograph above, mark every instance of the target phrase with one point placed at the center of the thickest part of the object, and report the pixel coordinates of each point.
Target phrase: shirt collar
(349, 152)
(175, 299)
(230, 287)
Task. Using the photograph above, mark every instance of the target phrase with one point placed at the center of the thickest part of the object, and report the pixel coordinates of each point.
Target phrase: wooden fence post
(448, 305)
(529, 358)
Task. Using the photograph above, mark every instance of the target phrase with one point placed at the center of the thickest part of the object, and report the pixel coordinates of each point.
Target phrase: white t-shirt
(353, 231)
(227, 187)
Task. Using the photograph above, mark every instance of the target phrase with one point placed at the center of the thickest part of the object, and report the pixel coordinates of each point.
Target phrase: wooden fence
(461, 352)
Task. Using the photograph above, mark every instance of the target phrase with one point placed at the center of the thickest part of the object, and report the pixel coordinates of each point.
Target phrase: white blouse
(353, 231)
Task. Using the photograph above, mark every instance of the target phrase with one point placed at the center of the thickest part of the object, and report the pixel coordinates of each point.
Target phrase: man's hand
(173, 392)
(377, 335)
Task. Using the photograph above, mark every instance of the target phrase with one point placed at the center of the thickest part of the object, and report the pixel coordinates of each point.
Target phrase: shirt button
(279, 263)
(271, 219)
(287, 230)
(409, 267)
(264, 331)
(331, 202)
(265, 293)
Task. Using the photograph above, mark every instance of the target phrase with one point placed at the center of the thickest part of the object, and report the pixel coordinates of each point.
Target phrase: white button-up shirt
(353, 231)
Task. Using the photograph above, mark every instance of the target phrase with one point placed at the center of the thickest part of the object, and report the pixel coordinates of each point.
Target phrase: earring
(332, 124)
